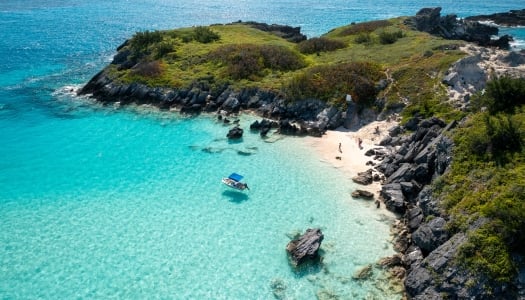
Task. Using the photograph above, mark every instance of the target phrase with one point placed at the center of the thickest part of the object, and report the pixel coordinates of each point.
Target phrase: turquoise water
(99, 203)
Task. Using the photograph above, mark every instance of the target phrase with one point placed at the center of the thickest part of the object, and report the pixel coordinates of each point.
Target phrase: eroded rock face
(450, 27)
(306, 247)
(511, 18)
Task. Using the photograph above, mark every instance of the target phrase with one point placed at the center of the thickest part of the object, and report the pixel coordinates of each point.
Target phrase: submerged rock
(363, 273)
(306, 247)
(235, 133)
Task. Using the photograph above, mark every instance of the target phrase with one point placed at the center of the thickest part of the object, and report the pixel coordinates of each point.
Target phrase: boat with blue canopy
(234, 181)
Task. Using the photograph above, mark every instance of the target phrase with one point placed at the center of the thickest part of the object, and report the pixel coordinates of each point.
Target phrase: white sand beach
(352, 158)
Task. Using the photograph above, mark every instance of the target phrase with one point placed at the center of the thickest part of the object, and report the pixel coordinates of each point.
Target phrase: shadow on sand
(235, 197)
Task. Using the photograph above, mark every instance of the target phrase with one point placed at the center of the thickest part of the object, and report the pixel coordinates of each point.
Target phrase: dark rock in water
(363, 273)
(364, 178)
(235, 133)
(264, 131)
(306, 247)
(362, 194)
(511, 18)
(450, 27)
(191, 109)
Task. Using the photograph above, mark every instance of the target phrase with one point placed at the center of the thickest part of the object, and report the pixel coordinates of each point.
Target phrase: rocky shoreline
(511, 18)
(410, 158)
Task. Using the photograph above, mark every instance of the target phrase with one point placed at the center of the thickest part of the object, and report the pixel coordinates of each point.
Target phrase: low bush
(363, 38)
(503, 94)
(248, 61)
(142, 40)
(333, 83)
(487, 253)
(148, 69)
(487, 181)
(321, 44)
(365, 27)
(204, 35)
(390, 37)
(162, 49)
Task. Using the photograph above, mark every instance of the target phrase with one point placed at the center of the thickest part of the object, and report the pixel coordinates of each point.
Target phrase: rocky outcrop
(235, 133)
(471, 74)
(450, 27)
(511, 18)
(364, 178)
(305, 247)
(409, 162)
(306, 117)
(362, 194)
(414, 155)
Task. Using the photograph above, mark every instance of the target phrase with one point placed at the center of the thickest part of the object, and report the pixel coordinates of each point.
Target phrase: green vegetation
(321, 44)
(390, 37)
(502, 95)
(487, 180)
(248, 61)
(485, 188)
(365, 27)
(334, 82)
(325, 67)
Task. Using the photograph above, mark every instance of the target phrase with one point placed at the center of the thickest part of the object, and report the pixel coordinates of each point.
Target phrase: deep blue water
(103, 203)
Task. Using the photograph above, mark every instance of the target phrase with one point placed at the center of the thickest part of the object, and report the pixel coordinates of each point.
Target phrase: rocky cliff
(450, 27)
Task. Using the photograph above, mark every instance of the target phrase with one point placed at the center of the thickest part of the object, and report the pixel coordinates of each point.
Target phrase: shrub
(162, 49)
(334, 82)
(502, 94)
(363, 38)
(142, 40)
(321, 44)
(486, 252)
(246, 61)
(204, 35)
(365, 27)
(389, 37)
(147, 69)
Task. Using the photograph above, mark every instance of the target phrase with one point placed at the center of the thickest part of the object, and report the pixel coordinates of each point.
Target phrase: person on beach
(340, 151)
(360, 142)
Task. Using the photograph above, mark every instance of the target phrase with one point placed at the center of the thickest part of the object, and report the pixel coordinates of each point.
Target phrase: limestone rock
(305, 247)
(362, 194)
(235, 133)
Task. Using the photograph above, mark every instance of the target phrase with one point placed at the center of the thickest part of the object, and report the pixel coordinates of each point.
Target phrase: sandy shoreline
(352, 157)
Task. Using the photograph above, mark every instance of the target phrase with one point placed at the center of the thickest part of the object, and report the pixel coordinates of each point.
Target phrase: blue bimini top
(236, 177)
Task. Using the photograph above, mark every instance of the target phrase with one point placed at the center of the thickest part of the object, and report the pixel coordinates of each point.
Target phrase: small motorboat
(234, 181)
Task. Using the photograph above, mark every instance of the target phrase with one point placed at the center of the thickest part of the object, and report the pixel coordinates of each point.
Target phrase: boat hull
(234, 184)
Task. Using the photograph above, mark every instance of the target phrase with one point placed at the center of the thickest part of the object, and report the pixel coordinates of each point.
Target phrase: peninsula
(451, 165)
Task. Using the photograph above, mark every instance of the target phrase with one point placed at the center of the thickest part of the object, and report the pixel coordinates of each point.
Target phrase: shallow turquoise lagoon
(130, 204)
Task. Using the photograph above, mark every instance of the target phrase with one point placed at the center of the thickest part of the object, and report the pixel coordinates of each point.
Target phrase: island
(452, 164)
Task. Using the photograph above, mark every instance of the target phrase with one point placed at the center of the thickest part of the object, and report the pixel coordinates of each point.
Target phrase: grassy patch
(321, 44)
(487, 180)
(241, 56)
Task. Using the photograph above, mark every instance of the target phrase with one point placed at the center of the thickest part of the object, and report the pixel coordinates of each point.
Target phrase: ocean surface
(99, 203)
